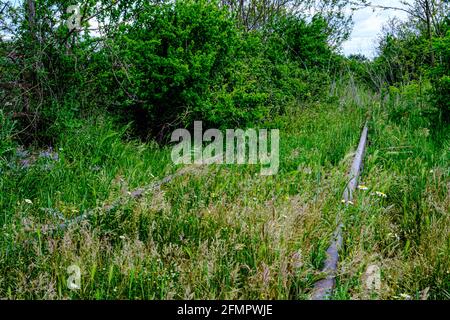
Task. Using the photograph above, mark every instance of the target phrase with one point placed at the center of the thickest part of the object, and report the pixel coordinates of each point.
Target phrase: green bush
(171, 64)
(441, 77)
(409, 104)
(170, 57)
(188, 60)
(307, 43)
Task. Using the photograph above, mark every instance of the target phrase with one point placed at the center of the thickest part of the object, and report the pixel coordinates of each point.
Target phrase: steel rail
(135, 194)
(323, 288)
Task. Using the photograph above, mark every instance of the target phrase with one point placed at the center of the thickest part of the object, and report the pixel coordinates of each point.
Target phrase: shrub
(441, 77)
(170, 57)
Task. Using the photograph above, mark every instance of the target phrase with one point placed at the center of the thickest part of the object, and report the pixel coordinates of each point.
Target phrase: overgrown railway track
(323, 288)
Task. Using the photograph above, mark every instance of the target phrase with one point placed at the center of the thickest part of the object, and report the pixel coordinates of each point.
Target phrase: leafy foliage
(441, 77)
(162, 65)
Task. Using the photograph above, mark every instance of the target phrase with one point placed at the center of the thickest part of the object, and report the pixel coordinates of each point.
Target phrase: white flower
(405, 296)
(381, 194)
(28, 201)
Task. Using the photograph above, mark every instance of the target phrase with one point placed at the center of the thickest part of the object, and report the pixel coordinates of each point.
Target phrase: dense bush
(168, 59)
(170, 64)
(307, 43)
(188, 61)
(441, 77)
(414, 57)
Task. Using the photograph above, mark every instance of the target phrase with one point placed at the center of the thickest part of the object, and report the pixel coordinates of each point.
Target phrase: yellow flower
(381, 194)
(405, 296)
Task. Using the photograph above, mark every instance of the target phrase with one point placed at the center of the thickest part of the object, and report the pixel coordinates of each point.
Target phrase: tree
(428, 15)
(255, 14)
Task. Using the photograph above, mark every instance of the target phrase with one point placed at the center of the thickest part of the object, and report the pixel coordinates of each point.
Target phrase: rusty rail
(324, 288)
(135, 194)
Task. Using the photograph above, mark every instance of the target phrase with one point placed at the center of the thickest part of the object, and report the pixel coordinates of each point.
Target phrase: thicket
(413, 56)
(160, 65)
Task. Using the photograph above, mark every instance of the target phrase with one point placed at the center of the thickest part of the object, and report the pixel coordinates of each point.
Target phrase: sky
(368, 26)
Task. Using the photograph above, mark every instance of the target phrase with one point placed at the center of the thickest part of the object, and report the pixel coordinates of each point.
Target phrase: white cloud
(368, 26)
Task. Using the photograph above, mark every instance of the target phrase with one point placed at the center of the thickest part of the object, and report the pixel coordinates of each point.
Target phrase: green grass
(406, 233)
(216, 232)
(225, 231)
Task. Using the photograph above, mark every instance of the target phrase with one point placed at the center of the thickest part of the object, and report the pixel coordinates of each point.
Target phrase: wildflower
(46, 154)
(381, 194)
(28, 201)
(363, 187)
(122, 237)
(347, 202)
(49, 154)
(405, 296)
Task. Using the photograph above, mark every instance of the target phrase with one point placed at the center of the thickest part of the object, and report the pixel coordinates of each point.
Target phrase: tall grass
(225, 231)
(215, 232)
(406, 232)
